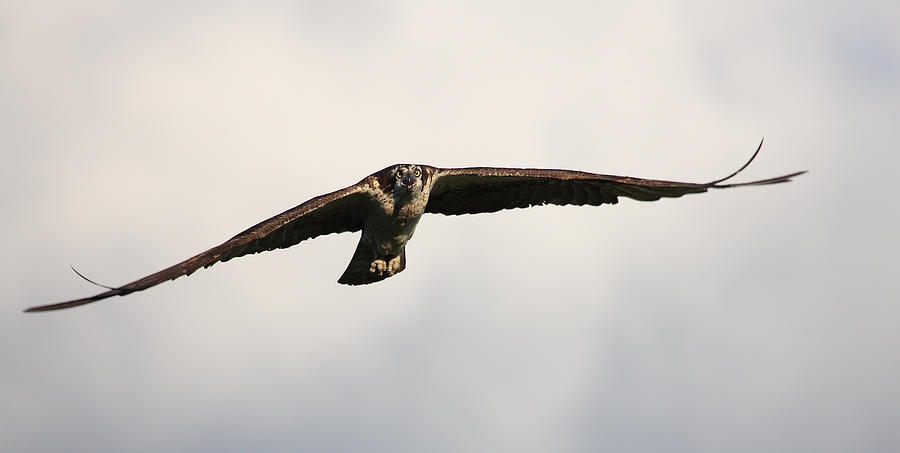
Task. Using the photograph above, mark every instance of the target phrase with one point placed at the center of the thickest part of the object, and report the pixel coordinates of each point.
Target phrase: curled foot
(382, 267)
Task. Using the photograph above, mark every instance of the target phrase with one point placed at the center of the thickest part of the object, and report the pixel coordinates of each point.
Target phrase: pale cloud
(755, 319)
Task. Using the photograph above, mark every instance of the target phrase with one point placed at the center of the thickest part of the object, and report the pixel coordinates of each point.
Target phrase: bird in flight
(387, 205)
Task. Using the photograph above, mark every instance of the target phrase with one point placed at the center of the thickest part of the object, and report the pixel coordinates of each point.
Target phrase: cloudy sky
(134, 135)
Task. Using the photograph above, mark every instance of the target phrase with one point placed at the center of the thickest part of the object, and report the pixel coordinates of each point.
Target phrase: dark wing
(481, 189)
(336, 212)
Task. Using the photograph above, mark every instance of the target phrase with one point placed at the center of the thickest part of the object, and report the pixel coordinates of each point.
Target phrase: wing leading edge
(454, 191)
(484, 189)
(336, 212)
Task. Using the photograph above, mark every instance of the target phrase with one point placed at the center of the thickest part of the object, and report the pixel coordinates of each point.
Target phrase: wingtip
(717, 184)
(59, 306)
(89, 280)
(761, 182)
(746, 164)
(76, 302)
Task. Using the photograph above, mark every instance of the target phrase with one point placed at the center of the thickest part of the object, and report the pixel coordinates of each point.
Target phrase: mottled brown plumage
(387, 205)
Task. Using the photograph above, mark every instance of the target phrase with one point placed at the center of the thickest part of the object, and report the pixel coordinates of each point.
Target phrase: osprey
(388, 204)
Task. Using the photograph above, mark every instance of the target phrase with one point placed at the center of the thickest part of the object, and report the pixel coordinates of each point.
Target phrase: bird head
(408, 179)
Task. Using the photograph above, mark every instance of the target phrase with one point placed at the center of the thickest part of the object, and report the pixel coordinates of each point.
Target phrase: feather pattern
(336, 212)
(388, 218)
(476, 190)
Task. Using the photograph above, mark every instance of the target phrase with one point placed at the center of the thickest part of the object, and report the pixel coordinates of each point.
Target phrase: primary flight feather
(387, 205)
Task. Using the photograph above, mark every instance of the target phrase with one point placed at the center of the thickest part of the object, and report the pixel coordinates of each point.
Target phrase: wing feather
(487, 189)
(336, 212)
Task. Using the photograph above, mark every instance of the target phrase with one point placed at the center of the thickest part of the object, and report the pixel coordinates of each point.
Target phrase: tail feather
(357, 272)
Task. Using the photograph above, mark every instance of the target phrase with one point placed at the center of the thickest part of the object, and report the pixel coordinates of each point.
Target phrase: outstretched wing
(336, 212)
(482, 189)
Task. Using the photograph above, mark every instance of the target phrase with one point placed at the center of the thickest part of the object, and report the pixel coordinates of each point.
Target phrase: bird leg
(381, 267)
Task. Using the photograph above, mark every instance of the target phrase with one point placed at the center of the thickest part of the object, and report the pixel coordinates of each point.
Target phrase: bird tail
(358, 271)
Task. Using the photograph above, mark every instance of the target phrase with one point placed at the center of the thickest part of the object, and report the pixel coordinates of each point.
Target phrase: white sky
(761, 319)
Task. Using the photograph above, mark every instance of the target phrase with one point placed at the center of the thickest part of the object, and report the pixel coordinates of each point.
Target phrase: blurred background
(136, 134)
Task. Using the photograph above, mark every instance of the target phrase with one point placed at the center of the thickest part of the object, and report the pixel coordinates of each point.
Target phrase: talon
(382, 267)
(378, 267)
(393, 265)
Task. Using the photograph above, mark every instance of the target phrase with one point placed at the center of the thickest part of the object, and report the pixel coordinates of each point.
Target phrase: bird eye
(399, 173)
(418, 173)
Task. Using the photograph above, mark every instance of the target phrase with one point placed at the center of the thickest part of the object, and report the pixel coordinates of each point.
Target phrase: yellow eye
(418, 173)
(399, 173)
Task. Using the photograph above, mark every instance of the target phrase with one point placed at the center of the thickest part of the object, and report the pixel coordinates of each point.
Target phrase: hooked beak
(408, 180)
